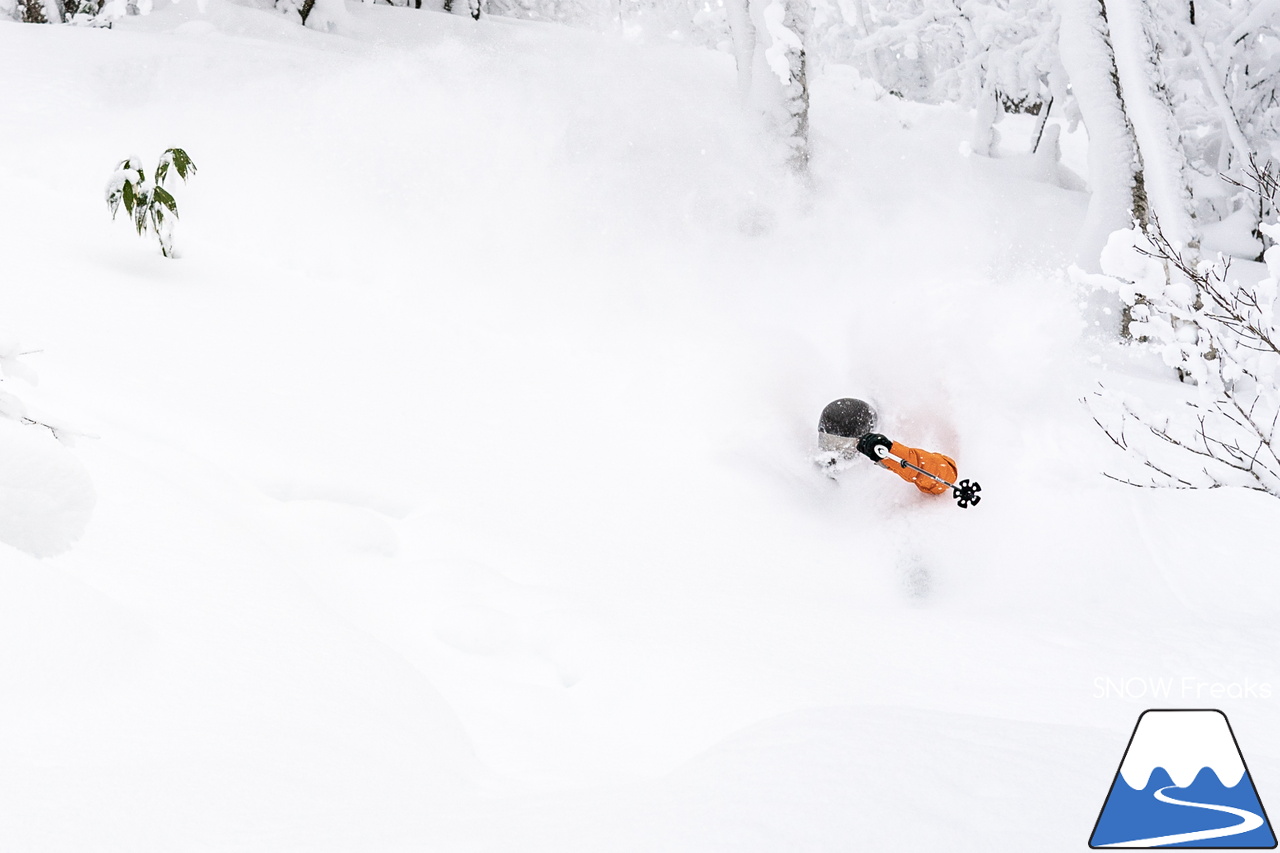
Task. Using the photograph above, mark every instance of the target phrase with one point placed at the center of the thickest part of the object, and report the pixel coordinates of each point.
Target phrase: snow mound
(46, 496)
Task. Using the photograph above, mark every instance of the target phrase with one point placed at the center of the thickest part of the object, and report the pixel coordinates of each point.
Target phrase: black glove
(874, 446)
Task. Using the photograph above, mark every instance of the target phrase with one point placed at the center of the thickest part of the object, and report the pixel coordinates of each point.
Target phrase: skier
(847, 427)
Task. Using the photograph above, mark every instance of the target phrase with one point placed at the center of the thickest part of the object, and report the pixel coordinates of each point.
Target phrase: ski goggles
(842, 444)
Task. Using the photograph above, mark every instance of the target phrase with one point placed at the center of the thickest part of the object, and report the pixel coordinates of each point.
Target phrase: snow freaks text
(1185, 688)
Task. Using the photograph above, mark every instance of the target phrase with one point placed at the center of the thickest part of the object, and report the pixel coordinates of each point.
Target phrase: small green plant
(151, 206)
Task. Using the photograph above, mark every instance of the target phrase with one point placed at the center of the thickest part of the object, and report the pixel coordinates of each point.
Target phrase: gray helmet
(843, 422)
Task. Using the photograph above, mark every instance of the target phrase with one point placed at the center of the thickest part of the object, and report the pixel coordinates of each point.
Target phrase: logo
(1183, 783)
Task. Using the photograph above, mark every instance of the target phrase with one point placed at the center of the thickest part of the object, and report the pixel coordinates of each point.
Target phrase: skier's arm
(942, 467)
(911, 455)
(935, 463)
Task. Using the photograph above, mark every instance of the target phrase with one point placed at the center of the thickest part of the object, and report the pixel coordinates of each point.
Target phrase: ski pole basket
(966, 493)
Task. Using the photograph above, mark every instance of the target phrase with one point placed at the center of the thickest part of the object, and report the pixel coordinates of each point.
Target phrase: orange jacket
(934, 463)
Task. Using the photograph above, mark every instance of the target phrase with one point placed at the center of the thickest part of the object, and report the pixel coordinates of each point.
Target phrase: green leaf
(182, 162)
(162, 196)
(130, 198)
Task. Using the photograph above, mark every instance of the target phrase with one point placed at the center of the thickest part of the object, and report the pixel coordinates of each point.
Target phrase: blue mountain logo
(1183, 783)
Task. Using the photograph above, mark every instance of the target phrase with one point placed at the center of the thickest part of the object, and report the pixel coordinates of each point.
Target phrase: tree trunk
(1118, 195)
(779, 85)
(769, 49)
(1148, 105)
(1042, 119)
(796, 92)
(743, 35)
(864, 31)
(985, 138)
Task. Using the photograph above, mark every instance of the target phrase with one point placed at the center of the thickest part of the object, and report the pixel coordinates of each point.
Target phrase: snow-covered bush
(151, 206)
(322, 15)
(11, 367)
(31, 11)
(46, 496)
(11, 405)
(1220, 335)
(92, 13)
(939, 51)
(473, 8)
(1225, 86)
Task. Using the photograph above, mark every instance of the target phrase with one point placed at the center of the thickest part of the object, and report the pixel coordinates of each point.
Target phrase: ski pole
(965, 492)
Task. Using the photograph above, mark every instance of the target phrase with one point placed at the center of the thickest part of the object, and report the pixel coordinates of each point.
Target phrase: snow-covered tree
(1230, 104)
(1199, 86)
(1174, 130)
(34, 11)
(85, 12)
(1140, 31)
(1118, 194)
(1174, 94)
(769, 48)
(991, 55)
(94, 13)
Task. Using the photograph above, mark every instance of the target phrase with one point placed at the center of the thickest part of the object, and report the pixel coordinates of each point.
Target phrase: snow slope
(453, 487)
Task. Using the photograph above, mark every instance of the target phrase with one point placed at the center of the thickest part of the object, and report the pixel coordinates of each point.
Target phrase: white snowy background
(453, 489)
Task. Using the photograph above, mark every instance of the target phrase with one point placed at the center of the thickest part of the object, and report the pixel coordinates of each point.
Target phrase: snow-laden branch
(1223, 337)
